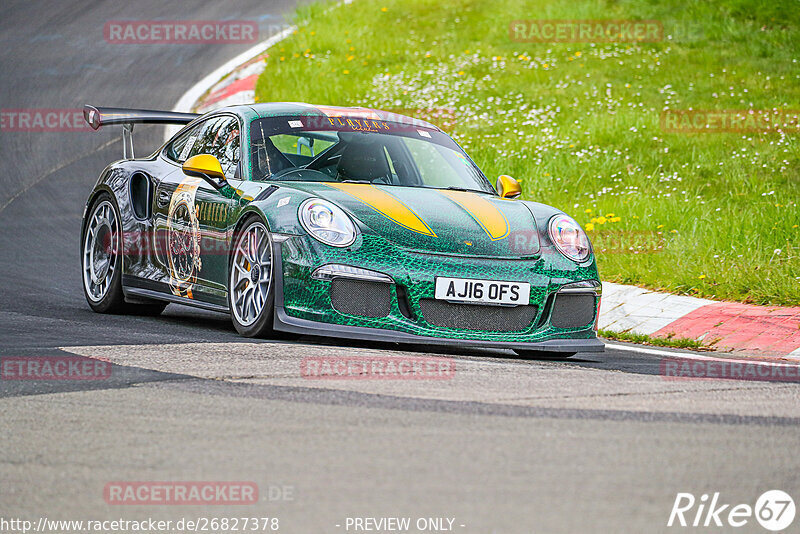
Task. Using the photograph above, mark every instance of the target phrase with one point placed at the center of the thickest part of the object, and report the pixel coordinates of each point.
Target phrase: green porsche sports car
(345, 222)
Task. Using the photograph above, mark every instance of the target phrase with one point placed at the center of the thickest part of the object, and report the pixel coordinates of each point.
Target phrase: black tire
(543, 355)
(254, 319)
(107, 297)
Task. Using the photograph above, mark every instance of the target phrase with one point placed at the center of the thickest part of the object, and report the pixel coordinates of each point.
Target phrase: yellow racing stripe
(387, 205)
(485, 213)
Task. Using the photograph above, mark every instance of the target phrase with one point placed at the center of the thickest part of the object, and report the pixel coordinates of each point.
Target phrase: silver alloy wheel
(100, 248)
(251, 273)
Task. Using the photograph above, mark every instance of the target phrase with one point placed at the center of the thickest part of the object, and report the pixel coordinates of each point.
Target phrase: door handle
(163, 198)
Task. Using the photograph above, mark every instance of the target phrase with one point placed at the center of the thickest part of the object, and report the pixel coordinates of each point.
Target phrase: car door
(192, 217)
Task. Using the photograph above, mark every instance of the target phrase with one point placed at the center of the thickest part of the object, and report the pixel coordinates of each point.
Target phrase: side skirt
(132, 286)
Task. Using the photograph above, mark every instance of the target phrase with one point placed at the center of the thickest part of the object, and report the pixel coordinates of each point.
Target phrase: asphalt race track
(600, 443)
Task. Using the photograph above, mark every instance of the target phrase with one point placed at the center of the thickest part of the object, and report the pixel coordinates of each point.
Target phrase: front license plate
(482, 291)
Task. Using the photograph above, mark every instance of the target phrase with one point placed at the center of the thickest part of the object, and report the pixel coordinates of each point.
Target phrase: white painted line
(188, 100)
(235, 99)
(636, 348)
(692, 356)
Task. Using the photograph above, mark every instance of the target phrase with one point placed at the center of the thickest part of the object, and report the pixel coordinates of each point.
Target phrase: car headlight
(327, 222)
(569, 238)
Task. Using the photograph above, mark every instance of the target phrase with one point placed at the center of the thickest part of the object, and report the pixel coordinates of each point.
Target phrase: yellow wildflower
(589, 227)
(587, 210)
(345, 71)
(601, 220)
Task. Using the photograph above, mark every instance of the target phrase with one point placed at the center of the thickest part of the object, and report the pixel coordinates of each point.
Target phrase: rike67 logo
(774, 510)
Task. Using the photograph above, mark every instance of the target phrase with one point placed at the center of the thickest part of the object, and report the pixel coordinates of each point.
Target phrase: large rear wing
(97, 117)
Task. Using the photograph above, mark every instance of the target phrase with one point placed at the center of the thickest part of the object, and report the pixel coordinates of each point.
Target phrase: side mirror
(508, 187)
(208, 168)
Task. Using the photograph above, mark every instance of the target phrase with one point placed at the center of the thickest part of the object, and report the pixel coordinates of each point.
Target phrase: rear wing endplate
(97, 117)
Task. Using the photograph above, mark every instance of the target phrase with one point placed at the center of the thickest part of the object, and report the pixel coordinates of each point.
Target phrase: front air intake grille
(572, 310)
(358, 297)
(477, 317)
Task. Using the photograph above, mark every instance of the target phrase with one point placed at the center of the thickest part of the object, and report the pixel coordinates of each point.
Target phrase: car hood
(435, 220)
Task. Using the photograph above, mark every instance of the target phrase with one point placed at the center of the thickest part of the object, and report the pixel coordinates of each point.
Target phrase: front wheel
(543, 355)
(251, 295)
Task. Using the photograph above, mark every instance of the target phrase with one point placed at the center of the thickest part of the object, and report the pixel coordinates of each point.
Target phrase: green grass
(713, 214)
(643, 339)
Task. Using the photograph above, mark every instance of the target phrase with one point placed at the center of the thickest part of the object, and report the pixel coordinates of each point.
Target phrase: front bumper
(303, 304)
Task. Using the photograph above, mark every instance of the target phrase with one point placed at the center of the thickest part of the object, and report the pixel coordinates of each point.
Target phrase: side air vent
(477, 317)
(141, 196)
(573, 310)
(358, 297)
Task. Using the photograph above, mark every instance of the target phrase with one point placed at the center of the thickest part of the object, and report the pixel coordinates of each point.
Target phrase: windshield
(321, 149)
